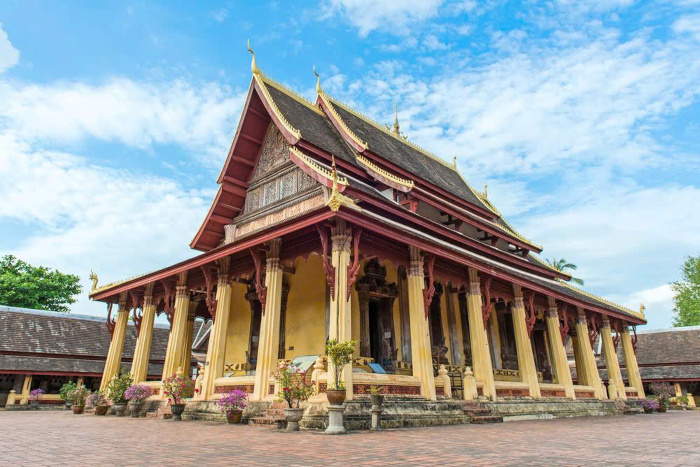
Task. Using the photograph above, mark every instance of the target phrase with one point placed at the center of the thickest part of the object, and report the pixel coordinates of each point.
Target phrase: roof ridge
(290, 92)
(378, 126)
(261, 82)
(495, 210)
(604, 300)
(342, 123)
(546, 264)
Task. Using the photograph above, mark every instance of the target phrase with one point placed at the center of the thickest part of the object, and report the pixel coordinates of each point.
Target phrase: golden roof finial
(642, 308)
(253, 66)
(318, 82)
(396, 129)
(486, 189)
(454, 161)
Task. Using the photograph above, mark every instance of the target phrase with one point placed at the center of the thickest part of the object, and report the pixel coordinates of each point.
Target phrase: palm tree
(562, 265)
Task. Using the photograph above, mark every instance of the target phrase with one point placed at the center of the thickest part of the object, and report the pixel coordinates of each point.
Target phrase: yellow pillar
(268, 348)
(26, 388)
(558, 352)
(587, 370)
(526, 359)
(216, 350)
(173, 355)
(186, 356)
(116, 345)
(142, 352)
(340, 321)
(420, 333)
(481, 356)
(635, 380)
(611, 363)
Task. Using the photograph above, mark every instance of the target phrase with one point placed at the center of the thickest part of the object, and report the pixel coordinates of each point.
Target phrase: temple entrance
(381, 335)
(254, 336)
(539, 347)
(437, 336)
(509, 353)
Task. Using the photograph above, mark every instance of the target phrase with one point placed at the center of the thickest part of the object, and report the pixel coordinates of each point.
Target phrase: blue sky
(583, 116)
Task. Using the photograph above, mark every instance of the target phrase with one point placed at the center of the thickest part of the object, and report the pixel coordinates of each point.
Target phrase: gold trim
(293, 94)
(288, 126)
(378, 126)
(117, 283)
(401, 181)
(318, 168)
(606, 301)
(342, 123)
(547, 265)
(336, 200)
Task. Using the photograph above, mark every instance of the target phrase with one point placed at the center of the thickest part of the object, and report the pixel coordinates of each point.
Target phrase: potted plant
(177, 388)
(137, 394)
(682, 401)
(294, 389)
(79, 396)
(375, 395)
(97, 400)
(339, 354)
(34, 398)
(116, 391)
(232, 404)
(663, 392)
(66, 393)
(649, 405)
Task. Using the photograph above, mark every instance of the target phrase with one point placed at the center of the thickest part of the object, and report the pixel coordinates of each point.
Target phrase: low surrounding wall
(530, 409)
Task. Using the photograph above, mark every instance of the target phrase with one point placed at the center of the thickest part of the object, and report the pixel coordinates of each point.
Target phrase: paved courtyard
(57, 438)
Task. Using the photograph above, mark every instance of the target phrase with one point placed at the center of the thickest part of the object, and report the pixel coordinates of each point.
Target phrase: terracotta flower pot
(293, 416)
(78, 409)
(119, 409)
(101, 409)
(176, 410)
(234, 417)
(336, 396)
(662, 408)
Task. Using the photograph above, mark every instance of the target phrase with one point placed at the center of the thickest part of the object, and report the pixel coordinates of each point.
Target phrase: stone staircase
(272, 417)
(479, 414)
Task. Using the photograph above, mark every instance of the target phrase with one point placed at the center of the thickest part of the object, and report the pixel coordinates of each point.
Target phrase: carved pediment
(273, 154)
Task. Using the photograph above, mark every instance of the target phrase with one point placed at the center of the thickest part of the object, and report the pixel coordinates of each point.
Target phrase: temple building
(327, 224)
(46, 349)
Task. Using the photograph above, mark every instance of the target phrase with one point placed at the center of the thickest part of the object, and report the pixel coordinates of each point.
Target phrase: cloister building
(327, 224)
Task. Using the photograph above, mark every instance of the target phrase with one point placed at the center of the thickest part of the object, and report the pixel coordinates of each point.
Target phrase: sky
(582, 116)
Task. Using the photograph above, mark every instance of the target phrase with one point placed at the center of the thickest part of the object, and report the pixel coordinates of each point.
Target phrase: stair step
(484, 419)
(268, 422)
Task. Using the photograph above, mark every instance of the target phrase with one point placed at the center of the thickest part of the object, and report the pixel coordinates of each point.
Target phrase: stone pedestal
(335, 420)
(376, 418)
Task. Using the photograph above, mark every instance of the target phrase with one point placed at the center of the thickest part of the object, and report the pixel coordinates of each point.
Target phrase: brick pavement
(57, 438)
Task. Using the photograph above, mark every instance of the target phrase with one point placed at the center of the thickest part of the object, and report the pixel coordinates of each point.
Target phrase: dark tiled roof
(314, 127)
(677, 345)
(661, 373)
(409, 158)
(64, 365)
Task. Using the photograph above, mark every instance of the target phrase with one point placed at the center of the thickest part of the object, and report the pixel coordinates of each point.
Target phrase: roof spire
(454, 161)
(318, 82)
(486, 189)
(253, 66)
(642, 309)
(396, 129)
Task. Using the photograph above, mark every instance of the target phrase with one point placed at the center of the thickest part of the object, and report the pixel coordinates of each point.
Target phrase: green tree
(687, 294)
(562, 265)
(37, 287)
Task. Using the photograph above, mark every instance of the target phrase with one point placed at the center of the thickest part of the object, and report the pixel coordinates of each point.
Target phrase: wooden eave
(453, 235)
(361, 220)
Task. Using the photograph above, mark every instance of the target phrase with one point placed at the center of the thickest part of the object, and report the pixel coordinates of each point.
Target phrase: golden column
(186, 357)
(526, 359)
(216, 350)
(268, 348)
(142, 352)
(176, 342)
(116, 345)
(616, 386)
(421, 353)
(556, 344)
(481, 356)
(340, 321)
(635, 380)
(587, 371)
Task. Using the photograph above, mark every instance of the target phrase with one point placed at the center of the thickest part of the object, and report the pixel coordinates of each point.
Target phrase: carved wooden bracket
(168, 293)
(564, 323)
(429, 292)
(634, 338)
(111, 322)
(486, 307)
(616, 339)
(532, 316)
(592, 329)
(354, 268)
(327, 265)
(210, 298)
(138, 312)
(260, 288)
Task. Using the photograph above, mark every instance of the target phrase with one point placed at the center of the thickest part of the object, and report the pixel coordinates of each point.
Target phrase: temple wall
(239, 326)
(306, 309)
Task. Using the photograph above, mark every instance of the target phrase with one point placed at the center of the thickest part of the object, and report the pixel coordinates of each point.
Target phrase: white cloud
(9, 56)
(658, 302)
(431, 42)
(688, 24)
(390, 15)
(138, 114)
(87, 216)
(220, 15)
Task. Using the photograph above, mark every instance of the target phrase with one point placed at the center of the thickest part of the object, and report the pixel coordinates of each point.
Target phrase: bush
(116, 389)
(96, 399)
(178, 387)
(138, 393)
(293, 386)
(233, 401)
(66, 392)
(35, 394)
(79, 395)
(339, 354)
(650, 404)
(663, 392)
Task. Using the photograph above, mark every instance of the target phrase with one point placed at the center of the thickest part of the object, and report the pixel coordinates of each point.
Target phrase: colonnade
(340, 327)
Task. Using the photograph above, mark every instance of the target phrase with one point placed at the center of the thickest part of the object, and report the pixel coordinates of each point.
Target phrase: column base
(335, 420)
